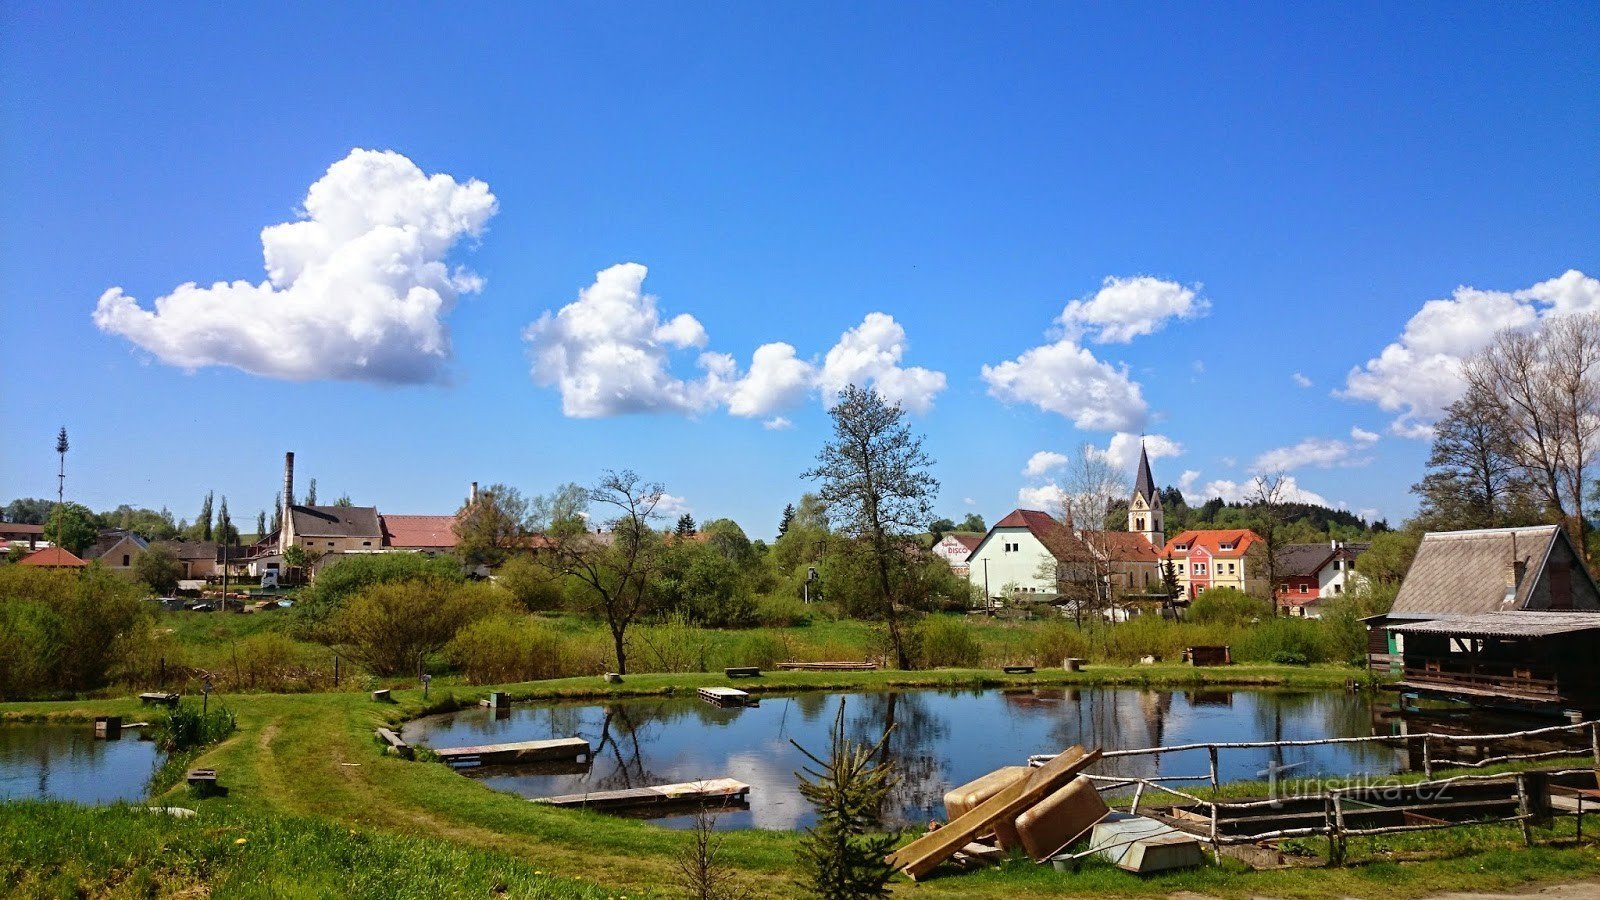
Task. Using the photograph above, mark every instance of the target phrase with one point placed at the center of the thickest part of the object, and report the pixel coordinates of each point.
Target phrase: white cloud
(1300, 380)
(777, 380)
(869, 355)
(1187, 480)
(1321, 453)
(1371, 514)
(969, 501)
(1065, 378)
(1239, 492)
(1048, 497)
(1362, 436)
(1122, 453)
(673, 505)
(356, 290)
(1126, 308)
(1419, 375)
(1044, 461)
(777, 423)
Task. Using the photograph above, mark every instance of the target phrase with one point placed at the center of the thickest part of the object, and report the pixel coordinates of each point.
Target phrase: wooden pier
(712, 791)
(522, 751)
(849, 666)
(721, 696)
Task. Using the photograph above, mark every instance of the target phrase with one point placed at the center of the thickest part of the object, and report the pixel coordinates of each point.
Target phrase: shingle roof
(419, 531)
(1464, 572)
(1058, 539)
(336, 521)
(970, 541)
(106, 542)
(192, 549)
(1303, 559)
(1145, 485)
(1514, 623)
(1239, 539)
(52, 558)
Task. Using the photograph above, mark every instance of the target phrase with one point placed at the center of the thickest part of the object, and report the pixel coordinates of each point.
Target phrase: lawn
(309, 762)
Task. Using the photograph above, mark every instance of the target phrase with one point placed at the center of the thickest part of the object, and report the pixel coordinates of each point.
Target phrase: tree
(490, 527)
(973, 523)
(788, 516)
(1266, 497)
(938, 528)
(1547, 388)
(1475, 480)
(61, 477)
(71, 527)
(616, 569)
(532, 585)
(844, 855)
(564, 510)
(152, 525)
(261, 524)
(203, 522)
(875, 480)
(685, 525)
(311, 493)
(226, 533)
(1389, 558)
(277, 513)
(1169, 580)
(29, 510)
(158, 568)
(344, 500)
(1081, 566)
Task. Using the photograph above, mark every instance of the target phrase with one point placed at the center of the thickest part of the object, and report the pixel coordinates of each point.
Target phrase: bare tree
(1266, 498)
(1547, 388)
(1083, 562)
(1475, 480)
(877, 488)
(701, 870)
(616, 567)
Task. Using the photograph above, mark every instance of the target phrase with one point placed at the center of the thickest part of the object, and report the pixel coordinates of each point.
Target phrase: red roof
(419, 531)
(1118, 546)
(1239, 539)
(1126, 546)
(52, 558)
(970, 541)
(21, 528)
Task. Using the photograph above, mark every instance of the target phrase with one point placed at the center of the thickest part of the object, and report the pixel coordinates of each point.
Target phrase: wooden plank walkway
(722, 696)
(861, 666)
(522, 751)
(718, 790)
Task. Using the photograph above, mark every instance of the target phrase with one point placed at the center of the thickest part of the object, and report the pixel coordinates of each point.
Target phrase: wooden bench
(203, 781)
(1017, 670)
(382, 696)
(396, 743)
(158, 698)
(742, 672)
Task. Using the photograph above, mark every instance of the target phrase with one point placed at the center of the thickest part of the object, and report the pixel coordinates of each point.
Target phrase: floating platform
(721, 696)
(522, 751)
(847, 666)
(715, 790)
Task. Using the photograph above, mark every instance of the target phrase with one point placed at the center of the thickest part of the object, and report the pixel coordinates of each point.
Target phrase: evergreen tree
(277, 512)
(788, 517)
(261, 524)
(844, 854)
(686, 525)
(204, 521)
(311, 493)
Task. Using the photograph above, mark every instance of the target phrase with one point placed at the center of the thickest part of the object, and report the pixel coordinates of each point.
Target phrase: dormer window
(1226, 547)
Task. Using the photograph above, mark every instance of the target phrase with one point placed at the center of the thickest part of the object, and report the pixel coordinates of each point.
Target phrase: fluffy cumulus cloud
(1126, 308)
(869, 355)
(1321, 453)
(1418, 375)
(1186, 481)
(1048, 497)
(1122, 453)
(1300, 380)
(357, 289)
(1241, 491)
(673, 506)
(1044, 462)
(610, 352)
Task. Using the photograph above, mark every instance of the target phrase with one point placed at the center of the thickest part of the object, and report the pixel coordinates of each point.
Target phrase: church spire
(1145, 485)
(1144, 508)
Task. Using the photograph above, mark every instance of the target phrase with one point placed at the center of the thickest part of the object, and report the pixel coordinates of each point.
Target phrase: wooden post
(1594, 742)
(1427, 757)
(1338, 823)
(1212, 752)
(1216, 845)
(1327, 826)
(336, 670)
(1524, 810)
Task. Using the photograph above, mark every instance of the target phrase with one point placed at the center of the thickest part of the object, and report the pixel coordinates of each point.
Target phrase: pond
(941, 740)
(66, 762)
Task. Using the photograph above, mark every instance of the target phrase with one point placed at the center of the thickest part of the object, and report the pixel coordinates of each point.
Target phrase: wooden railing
(1526, 680)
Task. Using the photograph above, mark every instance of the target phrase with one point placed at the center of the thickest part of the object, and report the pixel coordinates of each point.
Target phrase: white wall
(1018, 567)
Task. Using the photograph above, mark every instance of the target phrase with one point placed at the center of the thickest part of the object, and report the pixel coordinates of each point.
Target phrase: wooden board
(714, 789)
(829, 666)
(722, 696)
(522, 751)
(924, 854)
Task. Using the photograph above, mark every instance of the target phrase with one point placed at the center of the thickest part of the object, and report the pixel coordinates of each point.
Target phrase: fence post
(1338, 822)
(1427, 757)
(1594, 742)
(1327, 827)
(1524, 810)
(1216, 845)
(1212, 752)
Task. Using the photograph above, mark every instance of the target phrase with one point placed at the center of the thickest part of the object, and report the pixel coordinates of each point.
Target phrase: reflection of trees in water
(812, 704)
(1113, 720)
(912, 747)
(1466, 721)
(623, 732)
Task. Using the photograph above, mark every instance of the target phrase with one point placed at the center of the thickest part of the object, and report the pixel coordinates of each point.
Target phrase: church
(1039, 555)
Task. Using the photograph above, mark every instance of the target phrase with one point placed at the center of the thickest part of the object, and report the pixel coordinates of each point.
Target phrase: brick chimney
(1514, 572)
(286, 528)
(472, 497)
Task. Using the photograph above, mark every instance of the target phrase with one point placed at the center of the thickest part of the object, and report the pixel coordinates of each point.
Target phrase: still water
(941, 739)
(65, 762)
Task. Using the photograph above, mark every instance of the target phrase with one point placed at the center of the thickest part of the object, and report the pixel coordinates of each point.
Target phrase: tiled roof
(1515, 623)
(22, 528)
(970, 541)
(1119, 546)
(52, 558)
(336, 521)
(1464, 572)
(1239, 539)
(419, 531)
(1125, 546)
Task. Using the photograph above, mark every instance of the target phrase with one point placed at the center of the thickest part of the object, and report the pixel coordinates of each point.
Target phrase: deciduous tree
(493, 525)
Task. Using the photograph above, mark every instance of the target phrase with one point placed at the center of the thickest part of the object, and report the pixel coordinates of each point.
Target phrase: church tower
(1144, 509)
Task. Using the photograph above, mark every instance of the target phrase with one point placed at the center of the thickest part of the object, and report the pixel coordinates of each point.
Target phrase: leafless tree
(701, 870)
(616, 568)
(1083, 566)
(1265, 497)
(1547, 388)
(1474, 478)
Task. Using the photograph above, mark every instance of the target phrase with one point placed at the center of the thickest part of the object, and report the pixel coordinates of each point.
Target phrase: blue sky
(1271, 190)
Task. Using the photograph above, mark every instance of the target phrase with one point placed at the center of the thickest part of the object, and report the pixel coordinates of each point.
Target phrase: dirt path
(1577, 890)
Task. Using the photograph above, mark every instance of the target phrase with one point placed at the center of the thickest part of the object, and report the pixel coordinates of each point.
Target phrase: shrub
(672, 646)
(320, 605)
(758, 649)
(1054, 641)
(530, 584)
(1291, 641)
(507, 648)
(1227, 606)
(185, 727)
(264, 660)
(946, 642)
(781, 611)
(60, 630)
(390, 626)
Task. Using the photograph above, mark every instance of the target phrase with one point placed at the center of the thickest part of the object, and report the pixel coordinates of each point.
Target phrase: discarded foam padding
(1060, 819)
(924, 854)
(969, 796)
(1145, 846)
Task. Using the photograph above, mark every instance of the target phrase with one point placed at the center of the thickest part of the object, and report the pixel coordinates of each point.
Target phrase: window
(1180, 568)
(125, 560)
(1304, 587)
(366, 543)
(1226, 547)
(1338, 589)
(1139, 524)
(330, 543)
(1230, 568)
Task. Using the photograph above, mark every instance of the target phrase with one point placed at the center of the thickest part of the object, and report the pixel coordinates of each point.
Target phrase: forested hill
(1305, 517)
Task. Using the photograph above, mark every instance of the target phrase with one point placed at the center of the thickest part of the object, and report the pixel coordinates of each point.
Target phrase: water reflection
(65, 762)
(942, 739)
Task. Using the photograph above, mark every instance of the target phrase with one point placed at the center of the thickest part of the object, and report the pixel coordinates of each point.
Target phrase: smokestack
(288, 482)
(472, 498)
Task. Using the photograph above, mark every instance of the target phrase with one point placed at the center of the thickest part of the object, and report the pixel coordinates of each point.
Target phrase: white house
(956, 549)
(1311, 573)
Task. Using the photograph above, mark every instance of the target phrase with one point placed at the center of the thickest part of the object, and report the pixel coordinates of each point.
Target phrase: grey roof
(336, 521)
(192, 549)
(1145, 486)
(1302, 559)
(1518, 623)
(1464, 572)
(105, 543)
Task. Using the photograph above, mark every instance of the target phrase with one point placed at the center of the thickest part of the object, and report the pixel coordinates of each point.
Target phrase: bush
(60, 630)
(781, 611)
(1227, 606)
(758, 649)
(672, 646)
(264, 660)
(1290, 641)
(336, 583)
(503, 649)
(945, 642)
(530, 584)
(390, 626)
(1054, 641)
(185, 727)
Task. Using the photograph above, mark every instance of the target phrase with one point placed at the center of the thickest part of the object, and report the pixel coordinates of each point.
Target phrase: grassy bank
(311, 758)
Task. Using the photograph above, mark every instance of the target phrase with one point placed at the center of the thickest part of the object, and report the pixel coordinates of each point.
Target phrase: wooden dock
(862, 666)
(722, 696)
(522, 751)
(711, 791)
